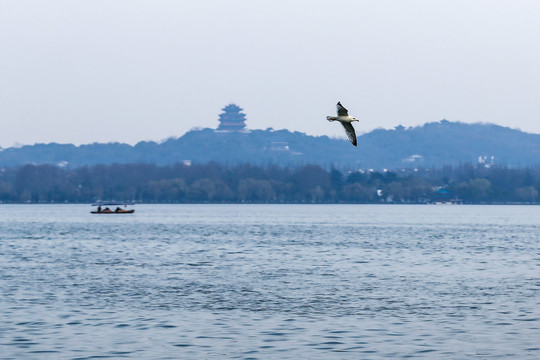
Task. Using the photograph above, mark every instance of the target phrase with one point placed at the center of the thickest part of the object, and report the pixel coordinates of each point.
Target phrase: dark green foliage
(246, 183)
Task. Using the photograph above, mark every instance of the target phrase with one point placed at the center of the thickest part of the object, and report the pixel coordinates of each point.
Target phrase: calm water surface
(270, 282)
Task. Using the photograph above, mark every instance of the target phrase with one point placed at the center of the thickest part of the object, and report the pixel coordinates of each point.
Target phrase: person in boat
(99, 209)
(107, 210)
(117, 209)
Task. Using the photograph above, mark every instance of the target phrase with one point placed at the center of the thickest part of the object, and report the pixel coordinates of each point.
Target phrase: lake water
(270, 282)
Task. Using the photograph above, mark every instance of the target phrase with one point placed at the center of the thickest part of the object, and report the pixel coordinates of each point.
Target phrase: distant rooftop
(232, 118)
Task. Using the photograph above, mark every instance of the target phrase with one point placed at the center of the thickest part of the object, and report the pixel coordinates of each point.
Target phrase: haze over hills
(433, 144)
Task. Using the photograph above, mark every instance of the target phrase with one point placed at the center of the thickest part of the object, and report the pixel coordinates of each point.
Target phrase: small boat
(108, 210)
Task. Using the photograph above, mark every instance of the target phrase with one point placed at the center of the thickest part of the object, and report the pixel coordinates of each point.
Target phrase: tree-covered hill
(433, 144)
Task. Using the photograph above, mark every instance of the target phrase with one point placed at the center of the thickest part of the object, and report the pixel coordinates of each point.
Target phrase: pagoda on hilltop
(232, 119)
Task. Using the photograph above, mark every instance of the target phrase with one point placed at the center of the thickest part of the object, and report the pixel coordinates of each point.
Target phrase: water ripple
(269, 281)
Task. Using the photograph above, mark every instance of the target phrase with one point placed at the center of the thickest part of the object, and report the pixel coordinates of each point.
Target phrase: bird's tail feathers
(331, 118)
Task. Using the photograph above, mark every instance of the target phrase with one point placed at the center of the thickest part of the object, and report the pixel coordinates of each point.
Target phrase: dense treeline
(266, 184)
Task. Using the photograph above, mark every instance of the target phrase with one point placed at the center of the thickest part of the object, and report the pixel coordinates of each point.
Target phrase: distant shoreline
(250, 184)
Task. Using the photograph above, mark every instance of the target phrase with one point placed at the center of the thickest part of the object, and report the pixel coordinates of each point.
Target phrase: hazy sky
(125, 70)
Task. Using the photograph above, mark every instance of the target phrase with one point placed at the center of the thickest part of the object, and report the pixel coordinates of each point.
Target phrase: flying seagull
(345, 120)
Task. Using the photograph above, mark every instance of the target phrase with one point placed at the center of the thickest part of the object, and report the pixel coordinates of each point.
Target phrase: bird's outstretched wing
(341, 111)
(350, 132)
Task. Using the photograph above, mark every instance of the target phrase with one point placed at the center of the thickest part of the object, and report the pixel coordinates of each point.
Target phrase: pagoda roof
(232, 118)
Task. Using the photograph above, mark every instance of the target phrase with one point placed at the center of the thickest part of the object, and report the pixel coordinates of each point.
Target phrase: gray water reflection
(270, 281)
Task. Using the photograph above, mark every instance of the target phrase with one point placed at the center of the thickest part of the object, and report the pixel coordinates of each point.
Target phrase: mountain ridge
(432, 144)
